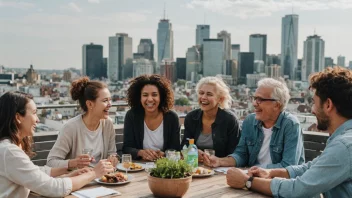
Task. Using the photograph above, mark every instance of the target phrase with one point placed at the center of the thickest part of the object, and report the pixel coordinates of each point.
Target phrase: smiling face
(208, 98)
(317, 109)
(266, 111)
(150, 98)
(28, 122)
(100, 107)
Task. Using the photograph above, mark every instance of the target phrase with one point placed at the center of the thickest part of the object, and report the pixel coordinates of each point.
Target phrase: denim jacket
(330, 173)
(286, 143)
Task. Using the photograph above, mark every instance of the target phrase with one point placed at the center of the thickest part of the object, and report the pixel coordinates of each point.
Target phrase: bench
(314, 144)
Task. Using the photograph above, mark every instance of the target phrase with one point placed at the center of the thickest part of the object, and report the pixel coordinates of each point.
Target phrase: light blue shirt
(286, 142)
(330, 173)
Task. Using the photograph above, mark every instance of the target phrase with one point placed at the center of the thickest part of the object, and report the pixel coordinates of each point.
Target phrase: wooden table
(213, 186)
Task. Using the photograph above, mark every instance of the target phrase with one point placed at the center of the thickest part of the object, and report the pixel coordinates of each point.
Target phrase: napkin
(95, 192)
(225, 169)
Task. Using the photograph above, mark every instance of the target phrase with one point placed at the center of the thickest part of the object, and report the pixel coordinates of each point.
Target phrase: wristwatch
(248, 183)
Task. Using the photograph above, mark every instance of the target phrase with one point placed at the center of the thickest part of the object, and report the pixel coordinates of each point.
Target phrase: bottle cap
(191, 141)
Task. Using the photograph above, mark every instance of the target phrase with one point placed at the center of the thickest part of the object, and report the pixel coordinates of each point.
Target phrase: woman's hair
(222, 90)
(12, 103)
(163, 85)
(280, 90)
(83, 89)
(334, 83)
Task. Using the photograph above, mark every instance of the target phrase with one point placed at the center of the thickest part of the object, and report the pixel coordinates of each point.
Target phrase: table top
(212, 186)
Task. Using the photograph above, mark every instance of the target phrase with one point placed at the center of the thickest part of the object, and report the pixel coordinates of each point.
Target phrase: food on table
(134, 166)
(201, 171)
(114, 178)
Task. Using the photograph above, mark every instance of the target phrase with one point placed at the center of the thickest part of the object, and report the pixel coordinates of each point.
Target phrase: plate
(205, 175)
(121, 168)
(130, 178)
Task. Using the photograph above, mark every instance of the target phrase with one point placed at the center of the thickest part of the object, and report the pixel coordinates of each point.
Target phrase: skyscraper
(289, 42)
(227, 43)
(257, 45)
(165, 37)
(193, 63)
(329, 62)
(146, 47)
(213, 53)
(202, 32)
(142, 66)
(341, 61)
(246, 66)
(235, 50)
(313, 56)
(92, 62)
(120, 49)
(181, 68)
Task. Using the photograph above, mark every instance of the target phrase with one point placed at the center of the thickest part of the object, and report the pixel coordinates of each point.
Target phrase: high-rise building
(272, 59)
(259, 66)
(289, 42)
(273, 71)
(120, 49)
(313, 56)
(235, 50)
(246, 66)
(329, 62)
(341, 61)
(193, 63)
(227, 44)
(67, 76)
(350, 64)
(213, 53)
(165, 37)
(142, 66)
(257, 45)
(92, 61)
(168, 69)
(146, 47)
(181, 68)
(202, 32)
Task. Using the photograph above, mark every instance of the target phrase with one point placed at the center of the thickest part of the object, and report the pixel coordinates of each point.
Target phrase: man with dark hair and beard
(331, 172)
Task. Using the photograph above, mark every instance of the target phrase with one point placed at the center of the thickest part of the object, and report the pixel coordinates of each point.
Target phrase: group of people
(270, 141)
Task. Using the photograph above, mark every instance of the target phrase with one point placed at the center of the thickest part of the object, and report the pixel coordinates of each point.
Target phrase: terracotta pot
(169, 187)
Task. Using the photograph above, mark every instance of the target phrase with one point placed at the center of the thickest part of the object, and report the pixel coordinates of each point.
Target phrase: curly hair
(164, 88)
(83, 89)
(336, 84)
(12, 103)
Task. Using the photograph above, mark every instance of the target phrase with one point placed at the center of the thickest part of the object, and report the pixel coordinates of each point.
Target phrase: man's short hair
(334, 83)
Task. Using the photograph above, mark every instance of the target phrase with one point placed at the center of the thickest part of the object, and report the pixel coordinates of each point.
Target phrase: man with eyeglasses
(271, 137)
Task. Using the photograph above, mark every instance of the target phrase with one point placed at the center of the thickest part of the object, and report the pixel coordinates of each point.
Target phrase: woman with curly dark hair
(150, 126)
(91, 131)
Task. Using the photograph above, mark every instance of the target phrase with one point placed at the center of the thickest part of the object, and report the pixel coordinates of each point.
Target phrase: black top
(133, 132)
(225, 130)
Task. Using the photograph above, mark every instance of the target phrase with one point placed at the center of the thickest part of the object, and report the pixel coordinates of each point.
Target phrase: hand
(103, 167)
(236, 178)
(79, 172)
(160, 154)
(259, 172)
(211, 161)
(148, 154)
(201, 156)
(114, 160)
(80, 161)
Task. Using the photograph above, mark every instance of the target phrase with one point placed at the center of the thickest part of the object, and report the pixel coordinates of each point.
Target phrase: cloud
(257, 8)
(18, 5)
(74, 7)
(94, 1)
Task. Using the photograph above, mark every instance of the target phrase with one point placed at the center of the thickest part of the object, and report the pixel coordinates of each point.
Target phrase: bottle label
(192, 160)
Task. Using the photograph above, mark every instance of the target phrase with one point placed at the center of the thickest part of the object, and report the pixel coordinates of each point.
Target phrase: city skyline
(51, 34)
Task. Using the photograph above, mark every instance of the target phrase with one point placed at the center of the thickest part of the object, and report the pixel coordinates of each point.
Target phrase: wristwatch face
(248, 184)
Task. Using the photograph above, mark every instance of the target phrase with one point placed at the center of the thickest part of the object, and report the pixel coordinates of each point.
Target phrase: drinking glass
(149, 166)
(114, 159)
(88, 151)
(209, 152)
(170, 154)
(126, 161)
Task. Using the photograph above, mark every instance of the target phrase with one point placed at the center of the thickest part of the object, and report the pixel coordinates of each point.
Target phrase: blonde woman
(212, 126)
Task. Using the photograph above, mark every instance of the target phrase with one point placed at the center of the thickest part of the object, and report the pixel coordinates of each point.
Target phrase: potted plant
(170, 178)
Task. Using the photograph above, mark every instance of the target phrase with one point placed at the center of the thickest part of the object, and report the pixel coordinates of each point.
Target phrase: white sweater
(18, 175)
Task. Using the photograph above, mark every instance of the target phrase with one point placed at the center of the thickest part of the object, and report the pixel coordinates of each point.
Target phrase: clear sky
(50, 33)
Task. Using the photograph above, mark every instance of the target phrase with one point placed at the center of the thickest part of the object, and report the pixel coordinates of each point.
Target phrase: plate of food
(202, 172)
(116, 178)
(133, 167)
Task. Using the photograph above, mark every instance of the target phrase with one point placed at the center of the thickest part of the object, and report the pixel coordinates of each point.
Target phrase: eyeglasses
(259, 100)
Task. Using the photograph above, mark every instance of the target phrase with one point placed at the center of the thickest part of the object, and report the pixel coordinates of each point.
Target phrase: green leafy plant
(170, 169)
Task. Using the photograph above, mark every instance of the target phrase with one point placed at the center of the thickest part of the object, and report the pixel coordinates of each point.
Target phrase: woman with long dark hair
(18, 174)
